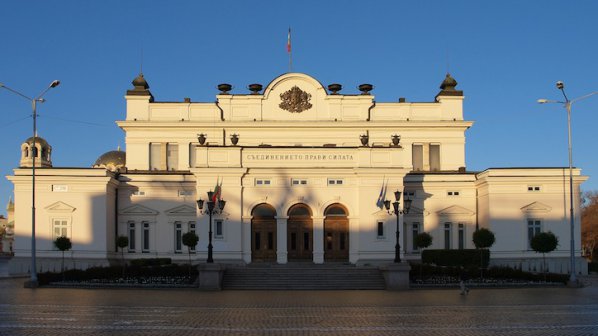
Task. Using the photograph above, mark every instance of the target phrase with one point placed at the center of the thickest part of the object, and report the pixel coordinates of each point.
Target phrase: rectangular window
(534, 226)
(131, 236)
(192, 156)
(414, 233)
(452, 193)
(380, 229)
(183, 193)
(60, 188)
(434, 157)
(293, 241)
(178, 237)
(306, 241)
(262, 182)
(192, 229)
(60, 228)
(447, 235)
(410, 194)
(219, 234)
(146, 237)
(297, 182)
(138, 193)
(534, 188)
(461, 236)
(257, 241)
(332, 181)
(270, 240)
(172, 156)
(155, 153)
(418, 157)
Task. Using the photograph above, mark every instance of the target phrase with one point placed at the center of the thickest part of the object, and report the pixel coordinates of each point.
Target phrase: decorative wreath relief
(295, 100)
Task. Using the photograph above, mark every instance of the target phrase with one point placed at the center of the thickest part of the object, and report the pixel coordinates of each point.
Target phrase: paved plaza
(536, 311)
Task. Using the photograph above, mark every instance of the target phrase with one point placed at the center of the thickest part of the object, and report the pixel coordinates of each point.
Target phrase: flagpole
(289, 50)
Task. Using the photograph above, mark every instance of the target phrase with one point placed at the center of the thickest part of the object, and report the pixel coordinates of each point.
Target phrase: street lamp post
(396, 211)
(211, 210)
(567, 104)
(33, 283)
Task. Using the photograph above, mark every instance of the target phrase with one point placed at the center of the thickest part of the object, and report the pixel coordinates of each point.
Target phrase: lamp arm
(583, 97)
(15, 92)
(53, 84)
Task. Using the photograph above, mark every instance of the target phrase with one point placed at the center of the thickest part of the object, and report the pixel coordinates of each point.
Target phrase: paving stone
(66, 312)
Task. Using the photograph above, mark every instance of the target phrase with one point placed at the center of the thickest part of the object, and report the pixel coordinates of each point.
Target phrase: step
(302, 276)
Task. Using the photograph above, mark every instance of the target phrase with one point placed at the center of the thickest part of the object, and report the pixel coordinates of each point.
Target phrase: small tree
(544, 242)
(483, 239)
(190, 240)
(122, 242)
(422, 240)
(63, 244)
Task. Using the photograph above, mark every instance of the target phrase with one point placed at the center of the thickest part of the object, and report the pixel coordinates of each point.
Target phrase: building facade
(304, 171)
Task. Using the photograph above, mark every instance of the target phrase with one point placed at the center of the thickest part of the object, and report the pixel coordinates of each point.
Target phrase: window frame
(380, 232)
(131, 233)
(299, 182)
(448, 240)
(145, 236)
(536, 225)
(178, 237)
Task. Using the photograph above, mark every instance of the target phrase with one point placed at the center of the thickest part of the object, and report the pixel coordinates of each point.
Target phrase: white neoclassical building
(303, 169)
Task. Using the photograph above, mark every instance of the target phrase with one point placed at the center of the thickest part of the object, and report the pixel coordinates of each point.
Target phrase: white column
(318, 252)
(281, 239)
(246, 238)
(354, 232)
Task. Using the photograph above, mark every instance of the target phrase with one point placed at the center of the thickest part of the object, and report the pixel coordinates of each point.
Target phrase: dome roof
(449, 83)
(140, 83)
(112, 160)
(38, 140)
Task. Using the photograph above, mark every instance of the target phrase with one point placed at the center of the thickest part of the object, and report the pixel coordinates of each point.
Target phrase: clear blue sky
(504, 54)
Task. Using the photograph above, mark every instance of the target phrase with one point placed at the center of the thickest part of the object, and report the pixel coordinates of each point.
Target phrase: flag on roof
(289, 41)
(217, 191)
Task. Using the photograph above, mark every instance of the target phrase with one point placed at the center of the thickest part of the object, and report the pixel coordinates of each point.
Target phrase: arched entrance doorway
(263, 233)
(300, 228)
(336, 233)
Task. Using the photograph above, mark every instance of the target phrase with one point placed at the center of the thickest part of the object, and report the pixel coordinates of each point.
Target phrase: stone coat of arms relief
(295, 100)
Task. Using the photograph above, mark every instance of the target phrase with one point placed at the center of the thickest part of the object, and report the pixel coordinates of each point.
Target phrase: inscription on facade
(300, 157)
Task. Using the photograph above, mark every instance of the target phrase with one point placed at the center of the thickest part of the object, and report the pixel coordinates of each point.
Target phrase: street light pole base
(31, 284)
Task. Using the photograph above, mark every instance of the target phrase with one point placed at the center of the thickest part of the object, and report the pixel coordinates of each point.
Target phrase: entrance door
(263, 234)
(300, 231)
(336, 234)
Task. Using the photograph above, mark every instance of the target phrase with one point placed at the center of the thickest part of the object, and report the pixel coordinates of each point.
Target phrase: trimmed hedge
(451, 274)
(143, 262)
(116, 272)
(465, 258)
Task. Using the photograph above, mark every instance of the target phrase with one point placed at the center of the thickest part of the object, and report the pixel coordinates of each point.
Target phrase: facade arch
(263, 233)
(336, 233)
(300, 232)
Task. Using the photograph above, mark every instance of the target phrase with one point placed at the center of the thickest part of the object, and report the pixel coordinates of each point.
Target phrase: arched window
(299, 210)
(335, 210)
(263, 210)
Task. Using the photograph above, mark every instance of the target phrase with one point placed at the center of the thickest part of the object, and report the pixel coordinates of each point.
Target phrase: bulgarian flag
(289, 41)
(217, 191)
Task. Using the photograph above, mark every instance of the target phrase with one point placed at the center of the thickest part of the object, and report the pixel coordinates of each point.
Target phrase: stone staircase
(303, 276)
